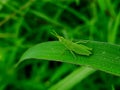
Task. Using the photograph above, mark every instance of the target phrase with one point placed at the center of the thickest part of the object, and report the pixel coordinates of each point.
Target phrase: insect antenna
(55, 34)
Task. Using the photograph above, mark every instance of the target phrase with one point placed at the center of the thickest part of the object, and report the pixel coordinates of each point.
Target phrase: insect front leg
(65, 51)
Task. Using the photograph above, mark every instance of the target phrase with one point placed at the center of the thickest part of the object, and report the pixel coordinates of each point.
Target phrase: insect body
(74, 47)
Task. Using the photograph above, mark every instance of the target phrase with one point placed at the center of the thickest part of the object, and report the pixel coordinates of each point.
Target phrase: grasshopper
(74, 47)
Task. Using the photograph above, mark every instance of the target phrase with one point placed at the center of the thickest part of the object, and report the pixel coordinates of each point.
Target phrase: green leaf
(73, 79)
(105, 56)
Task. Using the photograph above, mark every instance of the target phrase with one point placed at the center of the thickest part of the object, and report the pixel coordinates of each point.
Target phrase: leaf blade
(105, 57)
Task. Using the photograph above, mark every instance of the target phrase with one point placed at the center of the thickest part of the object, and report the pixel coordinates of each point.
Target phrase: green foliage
(25, 23)
(104, 57)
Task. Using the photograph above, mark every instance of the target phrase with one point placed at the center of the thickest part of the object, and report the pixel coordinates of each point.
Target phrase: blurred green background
(24, 23)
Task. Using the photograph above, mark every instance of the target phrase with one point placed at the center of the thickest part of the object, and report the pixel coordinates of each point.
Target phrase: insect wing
(81, 49)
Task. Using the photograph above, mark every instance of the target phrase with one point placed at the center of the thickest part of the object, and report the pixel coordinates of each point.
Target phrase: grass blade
(105, 57)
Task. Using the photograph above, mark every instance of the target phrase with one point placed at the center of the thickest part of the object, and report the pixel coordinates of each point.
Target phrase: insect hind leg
(81, 41)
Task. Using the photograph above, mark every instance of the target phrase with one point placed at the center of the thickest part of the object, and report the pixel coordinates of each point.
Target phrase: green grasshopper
(74, 47)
